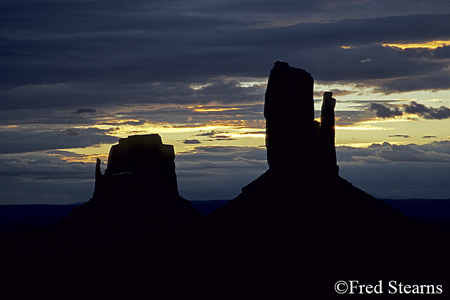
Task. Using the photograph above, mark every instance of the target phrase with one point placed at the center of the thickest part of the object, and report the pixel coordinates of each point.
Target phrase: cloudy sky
(76, 75)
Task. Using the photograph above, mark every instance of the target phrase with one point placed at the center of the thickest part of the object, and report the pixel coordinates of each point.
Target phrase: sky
(78, 75)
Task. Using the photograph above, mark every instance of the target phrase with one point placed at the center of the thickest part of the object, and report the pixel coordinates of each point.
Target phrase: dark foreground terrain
(13, 218)
(251, 248)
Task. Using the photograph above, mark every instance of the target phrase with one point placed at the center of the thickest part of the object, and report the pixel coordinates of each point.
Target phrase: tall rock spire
(327, 159)
(293, 139)
(289, 113)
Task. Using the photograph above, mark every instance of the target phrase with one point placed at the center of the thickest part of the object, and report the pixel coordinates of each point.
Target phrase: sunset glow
(212, 109)
(426, 45)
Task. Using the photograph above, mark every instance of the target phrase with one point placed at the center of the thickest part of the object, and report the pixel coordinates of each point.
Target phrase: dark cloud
(427, 112)
(400, 180)
(416, 83)
(86, 111)
(387, 153)
(191, 142)
(41, 178)
(400, 136)
(347, 117)
(102, 94)
(121, 123)
(210, 133)
(410, 153)
(254, 132)
(414, 108)
(28, 139)
(70, 132)
(441, 53)
(48, 116)
(221, 137)
(398, 171)
(41, 166)
(429, 136)
(320, 10)
(79, 53)
(383, 111)
(336, 93)
(218, 172)
(227, 153)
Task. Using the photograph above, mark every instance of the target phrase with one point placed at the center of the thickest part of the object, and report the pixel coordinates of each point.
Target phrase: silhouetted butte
(138, 193)
(301, 221)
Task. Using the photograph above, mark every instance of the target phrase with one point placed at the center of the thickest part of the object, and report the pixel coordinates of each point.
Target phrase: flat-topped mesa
(137, 195)
(142, 160)
(293, 139)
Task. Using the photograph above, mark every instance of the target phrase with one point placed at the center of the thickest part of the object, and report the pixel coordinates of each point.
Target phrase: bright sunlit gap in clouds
(184, 137)
(425, 45)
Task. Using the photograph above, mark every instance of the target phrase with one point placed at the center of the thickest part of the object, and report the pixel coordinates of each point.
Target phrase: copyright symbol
(341, 287)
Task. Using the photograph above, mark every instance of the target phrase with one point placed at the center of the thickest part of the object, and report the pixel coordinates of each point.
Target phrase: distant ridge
(435, 212)
(38, 216)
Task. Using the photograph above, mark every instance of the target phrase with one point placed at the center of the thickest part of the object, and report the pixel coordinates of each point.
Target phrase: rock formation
(138, 163)
(306, 224)
(293, 139)
(326, 136)
(138, 193)
(289, 113)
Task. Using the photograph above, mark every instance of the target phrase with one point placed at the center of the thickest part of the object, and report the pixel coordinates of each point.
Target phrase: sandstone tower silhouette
(293, 138)
(139, 163)
(289, 113)
(137, 195)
